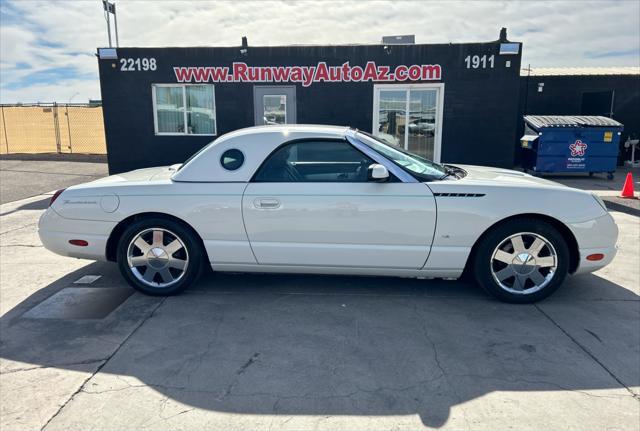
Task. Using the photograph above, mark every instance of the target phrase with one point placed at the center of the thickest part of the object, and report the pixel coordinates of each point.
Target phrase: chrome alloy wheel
(524, 263)
(157, 257)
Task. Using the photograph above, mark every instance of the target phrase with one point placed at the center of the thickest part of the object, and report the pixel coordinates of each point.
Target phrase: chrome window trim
(402, 175)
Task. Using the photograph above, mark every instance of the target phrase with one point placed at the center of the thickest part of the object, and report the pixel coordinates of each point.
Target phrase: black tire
(191, 252)
(484, 265)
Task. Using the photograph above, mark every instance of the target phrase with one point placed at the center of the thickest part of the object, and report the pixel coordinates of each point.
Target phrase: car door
(311, 203)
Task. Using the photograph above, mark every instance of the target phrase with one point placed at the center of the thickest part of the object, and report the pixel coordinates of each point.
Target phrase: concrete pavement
(252, 351)
(257, 351)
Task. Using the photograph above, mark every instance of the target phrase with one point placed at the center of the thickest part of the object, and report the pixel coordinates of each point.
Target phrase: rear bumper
(56, 231)
(597, 236)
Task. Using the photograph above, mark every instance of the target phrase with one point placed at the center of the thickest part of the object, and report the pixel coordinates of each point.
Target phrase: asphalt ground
(23, 176)
(295, 352)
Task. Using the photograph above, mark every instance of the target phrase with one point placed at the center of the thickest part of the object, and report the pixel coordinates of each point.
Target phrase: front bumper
(585, 265)
(56, 231)
(595, 236)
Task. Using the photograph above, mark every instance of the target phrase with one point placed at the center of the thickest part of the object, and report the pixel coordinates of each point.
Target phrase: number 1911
(477, 61)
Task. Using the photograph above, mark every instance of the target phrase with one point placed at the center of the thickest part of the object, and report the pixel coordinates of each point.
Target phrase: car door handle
(266, 203)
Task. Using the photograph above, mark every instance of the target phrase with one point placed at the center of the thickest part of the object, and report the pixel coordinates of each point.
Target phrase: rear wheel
(522, 261)
(159, 257)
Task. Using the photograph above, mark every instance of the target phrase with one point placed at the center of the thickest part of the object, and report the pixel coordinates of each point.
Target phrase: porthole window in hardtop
(232, 159)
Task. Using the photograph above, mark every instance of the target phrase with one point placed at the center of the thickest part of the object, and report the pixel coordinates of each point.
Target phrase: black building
(607, 91)
(448, 102)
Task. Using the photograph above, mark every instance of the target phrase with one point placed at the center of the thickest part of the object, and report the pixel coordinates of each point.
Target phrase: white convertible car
(331, 200)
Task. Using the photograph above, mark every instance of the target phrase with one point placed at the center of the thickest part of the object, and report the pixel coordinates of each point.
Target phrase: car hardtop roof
(291, 129)
(256, 143)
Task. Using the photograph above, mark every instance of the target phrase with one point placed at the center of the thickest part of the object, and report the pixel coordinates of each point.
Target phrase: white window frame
(437, 142)
(184, 110)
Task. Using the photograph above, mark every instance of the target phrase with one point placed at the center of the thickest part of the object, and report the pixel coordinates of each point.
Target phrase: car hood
(490, 175)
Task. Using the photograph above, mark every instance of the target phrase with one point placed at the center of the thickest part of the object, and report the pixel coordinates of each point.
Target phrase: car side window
(315, 161)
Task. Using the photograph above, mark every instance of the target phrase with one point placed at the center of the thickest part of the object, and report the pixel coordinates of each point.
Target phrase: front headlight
(600, 201)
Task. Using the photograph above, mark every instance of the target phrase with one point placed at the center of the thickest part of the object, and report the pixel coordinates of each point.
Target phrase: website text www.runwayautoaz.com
(306, 75)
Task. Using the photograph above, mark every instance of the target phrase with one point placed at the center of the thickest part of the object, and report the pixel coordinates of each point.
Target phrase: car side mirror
(378, 173)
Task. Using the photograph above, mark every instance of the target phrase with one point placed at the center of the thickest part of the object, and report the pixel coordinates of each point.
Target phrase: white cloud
(57, 39)
(76, 90)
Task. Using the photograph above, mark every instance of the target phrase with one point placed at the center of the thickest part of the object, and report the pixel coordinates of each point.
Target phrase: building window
(184, 109)
(409, 117)
(275, 108)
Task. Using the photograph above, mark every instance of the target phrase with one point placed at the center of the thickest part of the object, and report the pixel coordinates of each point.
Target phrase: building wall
(479, 112)
(563, 95)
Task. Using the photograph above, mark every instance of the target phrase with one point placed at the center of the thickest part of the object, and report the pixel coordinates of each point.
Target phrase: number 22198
(137, 64)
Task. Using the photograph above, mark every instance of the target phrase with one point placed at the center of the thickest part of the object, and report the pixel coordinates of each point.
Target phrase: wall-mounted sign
(307, 75)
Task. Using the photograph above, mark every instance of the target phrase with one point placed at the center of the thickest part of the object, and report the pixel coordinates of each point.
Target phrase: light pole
(115, 23)
(110, 8)
(74, 95)
(105, 5)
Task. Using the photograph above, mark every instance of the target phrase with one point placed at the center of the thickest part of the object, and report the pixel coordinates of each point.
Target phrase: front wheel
(522, 261)
(159, 256)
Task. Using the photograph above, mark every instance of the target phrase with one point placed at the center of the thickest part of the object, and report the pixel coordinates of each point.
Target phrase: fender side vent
(458, 195)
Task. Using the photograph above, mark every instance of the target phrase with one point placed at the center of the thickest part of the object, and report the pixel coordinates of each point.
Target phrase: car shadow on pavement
(330, 345)
(39, 204)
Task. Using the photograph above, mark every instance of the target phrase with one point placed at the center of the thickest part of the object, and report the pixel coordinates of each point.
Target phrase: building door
(274, 104)
(410, 117)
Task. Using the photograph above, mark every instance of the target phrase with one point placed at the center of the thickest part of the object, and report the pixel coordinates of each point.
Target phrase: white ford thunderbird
(331, 200)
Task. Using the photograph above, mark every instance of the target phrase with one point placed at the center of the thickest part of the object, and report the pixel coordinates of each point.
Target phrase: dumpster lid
(538, 121)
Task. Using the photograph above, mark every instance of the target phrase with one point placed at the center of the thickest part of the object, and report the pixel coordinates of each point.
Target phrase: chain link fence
(52, 128)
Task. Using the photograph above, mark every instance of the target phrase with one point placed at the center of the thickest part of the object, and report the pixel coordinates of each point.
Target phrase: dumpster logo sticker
(577, 158)
(578, 148)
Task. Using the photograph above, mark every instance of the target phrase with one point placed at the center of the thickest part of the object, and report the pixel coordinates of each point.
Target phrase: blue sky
(47, 47)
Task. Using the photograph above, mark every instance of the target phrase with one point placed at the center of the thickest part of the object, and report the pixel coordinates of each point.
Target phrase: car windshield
(417, 166)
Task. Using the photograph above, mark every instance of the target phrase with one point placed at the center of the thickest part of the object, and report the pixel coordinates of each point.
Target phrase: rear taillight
(55, 196)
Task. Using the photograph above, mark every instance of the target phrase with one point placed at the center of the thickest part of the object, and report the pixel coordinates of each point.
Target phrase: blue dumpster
(553, 143)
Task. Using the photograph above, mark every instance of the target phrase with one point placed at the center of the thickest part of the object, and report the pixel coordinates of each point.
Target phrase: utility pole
(526, 91)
